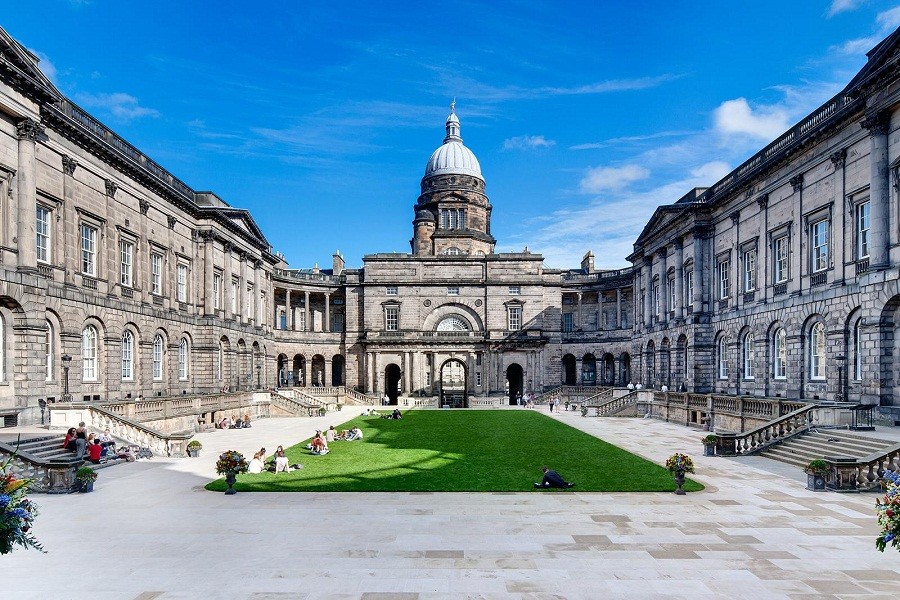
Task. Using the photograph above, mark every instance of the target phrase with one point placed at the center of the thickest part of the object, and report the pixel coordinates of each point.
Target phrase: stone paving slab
(159, 536)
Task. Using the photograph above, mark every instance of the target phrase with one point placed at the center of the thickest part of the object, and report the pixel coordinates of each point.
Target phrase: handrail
(360, 397)
(542, 397)
(846, 474)
(601, 396)
(777, 430)
(49, 475)
(614, 405)
(294, 406)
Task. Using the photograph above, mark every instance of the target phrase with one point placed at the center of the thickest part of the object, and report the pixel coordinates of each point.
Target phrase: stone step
(802, 449)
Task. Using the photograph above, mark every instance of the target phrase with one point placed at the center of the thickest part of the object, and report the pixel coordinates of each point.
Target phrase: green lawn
(462, 451)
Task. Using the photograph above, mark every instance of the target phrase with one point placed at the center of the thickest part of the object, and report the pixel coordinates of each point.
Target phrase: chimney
(337, 262)
(587, 263)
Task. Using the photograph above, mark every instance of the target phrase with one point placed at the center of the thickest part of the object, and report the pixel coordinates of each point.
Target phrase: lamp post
(43, 404)
(841, 364)
(66, 362)
(258, 376)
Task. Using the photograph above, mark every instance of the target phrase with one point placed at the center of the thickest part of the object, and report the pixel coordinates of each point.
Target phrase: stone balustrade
(851, 474)
(48, 476)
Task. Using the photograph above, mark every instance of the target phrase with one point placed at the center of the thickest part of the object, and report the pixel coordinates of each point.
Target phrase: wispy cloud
(737, 116)
(885, 23)
(599, 179)
(839, 6)
(629, 139)
(118, 104)
(46, 65)
(527, 142)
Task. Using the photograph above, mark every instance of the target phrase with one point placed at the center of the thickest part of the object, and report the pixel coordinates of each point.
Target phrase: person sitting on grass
(396, 414)
(281, 461)
(330, 434)
(552, 479)
(355, 434)
(318, 445)
(256, 464)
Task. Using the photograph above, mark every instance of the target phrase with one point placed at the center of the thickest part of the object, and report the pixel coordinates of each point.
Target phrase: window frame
(127, 370)
(749, 263)
(779, 354)
(90, 354)
(89, 256)
(781, 259)
(819, 242)
(723, 270)
(126, 268)
(181, 282)
(158, 356)
(514, 316)
(184, 352)
(392, 317)
(722, 362)
(156, 270)
(818, 351)
(862, 242)
(46, 234)
(749, 356)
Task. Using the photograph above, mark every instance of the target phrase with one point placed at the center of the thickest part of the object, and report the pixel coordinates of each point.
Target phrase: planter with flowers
(193, 448)
(815, 475)
(888, 512)
(230, 463)
(85, 476)
(709, 444)
(679, 464)
(17, 513)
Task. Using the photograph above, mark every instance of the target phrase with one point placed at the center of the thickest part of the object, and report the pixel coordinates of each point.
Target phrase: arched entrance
(282, 370)
(392, 383)
(569, 376)
(514, 377)
(337, 370)
(454, 385)
(297, 374)
(318, 370)
(609, 369)
(625, 375)
(588, 370)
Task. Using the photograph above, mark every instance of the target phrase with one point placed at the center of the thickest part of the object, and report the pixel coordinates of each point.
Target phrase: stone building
(118, 280)
(782, 278)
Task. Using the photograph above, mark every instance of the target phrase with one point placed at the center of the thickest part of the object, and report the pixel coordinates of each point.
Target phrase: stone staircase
(50, 448)
(819, 443)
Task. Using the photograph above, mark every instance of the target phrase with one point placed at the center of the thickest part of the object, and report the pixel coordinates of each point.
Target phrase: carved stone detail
(838, 158)
(226, 247)
(172, 220)
(111, 188)
(797, 182)
(876, 123)
(69, 165)
(145, 206)
(735, 217)
(763, 201)
(28, 129)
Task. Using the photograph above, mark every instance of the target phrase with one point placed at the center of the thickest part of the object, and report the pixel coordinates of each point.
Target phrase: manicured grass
(462, 451)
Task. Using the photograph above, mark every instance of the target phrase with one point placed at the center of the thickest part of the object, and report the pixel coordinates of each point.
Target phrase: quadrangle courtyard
(151, 531)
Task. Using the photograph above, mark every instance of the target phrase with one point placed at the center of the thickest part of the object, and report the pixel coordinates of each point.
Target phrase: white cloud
(119, 104)
(46, 65)
(737, 116)
(886, 22)
(711, 172)
(839, 6)
(598, 179)
(527, 142)
(629, 139)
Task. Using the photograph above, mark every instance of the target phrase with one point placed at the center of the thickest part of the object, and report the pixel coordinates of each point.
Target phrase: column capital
(876, 122)
(663, 252)
(172, 221)
(763, 201)
(797, 182)
(29, 130)
(735, 217)
(69, 165)
(111, 188)
(838, 158)
(226, 247)
(144, 206)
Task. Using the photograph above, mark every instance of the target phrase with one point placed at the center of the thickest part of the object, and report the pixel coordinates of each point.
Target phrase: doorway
(392, 383)
(453, 385)
(514, 380)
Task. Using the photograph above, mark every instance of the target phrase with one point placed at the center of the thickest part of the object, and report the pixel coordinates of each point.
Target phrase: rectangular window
(820, 246)
(181, 283)
(568, 322)
(750, 270)
(781, 260)
(247, 313)
(234, 297)
(862, 230)
(453, 290)
(477, 378)
(515, 290)
(515, 318)
(126, 252)
(42, 234)
(672, 297)
(391, 290)
(300, 321)
(655, 298)
(689, 288)
(392, 318)
(337, 322)
(217, 285)
(156, 274)
(88, 250)
(724, 284)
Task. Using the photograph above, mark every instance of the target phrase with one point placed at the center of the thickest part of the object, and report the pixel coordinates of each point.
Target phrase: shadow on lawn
(464, 451)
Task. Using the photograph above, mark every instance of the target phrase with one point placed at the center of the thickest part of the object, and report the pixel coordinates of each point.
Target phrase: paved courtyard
(150, 531)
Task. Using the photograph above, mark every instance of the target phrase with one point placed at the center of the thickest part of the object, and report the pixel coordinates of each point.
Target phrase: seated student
(343, 434)
(396, 414)
(246, 421)
(552, 479)
(94, 452)
(355, 434)
(256, 465)
(330, 434)
(281, 462)
(107, 441)
(69, 442)
(318, 444)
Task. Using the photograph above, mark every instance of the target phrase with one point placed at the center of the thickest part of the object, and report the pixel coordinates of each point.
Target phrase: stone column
(67, 236)
(799, 258)
(840, 229)
(579, 324)
(307, 324)
(664, 286)
(27, 132)
(879, 200)
(326, 325)
(647, 276)
(327, 377)
(209, 271)
(600, 324)
(288, 311)
(227, 288)
(762, 262)
(242, 290)
(679, 280)
(699, 265)
(618, 319)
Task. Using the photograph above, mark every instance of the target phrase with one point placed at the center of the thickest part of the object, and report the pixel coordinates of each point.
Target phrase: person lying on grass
(552, 479)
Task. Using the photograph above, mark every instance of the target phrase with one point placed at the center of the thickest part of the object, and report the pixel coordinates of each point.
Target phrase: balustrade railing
(851, 474)
(614, 405)
(49, 476)
(777, 430)
(544, 397)
(296, 407)
(360, 398)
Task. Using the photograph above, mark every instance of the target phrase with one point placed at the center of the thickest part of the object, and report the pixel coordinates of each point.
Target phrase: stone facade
(783, 279)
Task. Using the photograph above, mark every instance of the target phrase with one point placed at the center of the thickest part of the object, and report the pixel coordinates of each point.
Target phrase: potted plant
(584, 411)
(888, 512)
(815, 475)
(193, 448)
(709, 444)
(679, 464)
(230, 463)
(17, 512)
(86, 476)
(322, 411)
(339, 406)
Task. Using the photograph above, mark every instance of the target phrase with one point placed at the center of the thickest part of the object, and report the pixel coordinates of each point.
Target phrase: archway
(297, 374)
(569, 376)
(609, 369)
(318, 370)
(337, 370)
(453, 384)
(588, 370)
(625, 362)
(514, 377)
(392, 383)
(282, 370)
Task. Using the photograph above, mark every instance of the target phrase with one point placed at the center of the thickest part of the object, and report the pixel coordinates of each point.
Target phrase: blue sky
(585, 116)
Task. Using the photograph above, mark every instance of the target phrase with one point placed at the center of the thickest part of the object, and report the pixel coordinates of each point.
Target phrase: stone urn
(679, 481)
(230, 479)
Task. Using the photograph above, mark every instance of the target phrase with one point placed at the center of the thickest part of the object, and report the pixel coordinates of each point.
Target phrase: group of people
(319, 443)
(234, 422)
(395, 414)
(278, 464)
(82, 443)
(525, 401)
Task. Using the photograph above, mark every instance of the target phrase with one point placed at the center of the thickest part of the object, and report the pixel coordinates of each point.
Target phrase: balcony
(89, 282)
(780, 288)
(818, 279)
(749, 297)
(862, 266)
(45, 271)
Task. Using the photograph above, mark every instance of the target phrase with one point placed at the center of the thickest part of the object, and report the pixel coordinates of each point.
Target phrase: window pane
(42, 230)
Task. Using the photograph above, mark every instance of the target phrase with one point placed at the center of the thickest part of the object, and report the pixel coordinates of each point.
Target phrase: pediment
(662, 218)
(883, 57)
(20, 68)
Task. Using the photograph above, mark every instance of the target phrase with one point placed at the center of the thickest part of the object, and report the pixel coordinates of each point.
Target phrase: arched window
(748, 356)
(48, 351)
(453, 323)
(157, 358)
(183, 359)
(857, 352)
(779, 354)
(817, 351)
(127, 356)
(723, 358)
(89, 354)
